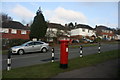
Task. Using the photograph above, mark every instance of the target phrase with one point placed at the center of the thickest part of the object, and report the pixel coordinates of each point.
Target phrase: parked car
(88, 40)
(75, 41)
(31, 46)
(91, 41)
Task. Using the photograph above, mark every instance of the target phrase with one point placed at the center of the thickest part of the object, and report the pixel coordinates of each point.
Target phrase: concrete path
(107, 69)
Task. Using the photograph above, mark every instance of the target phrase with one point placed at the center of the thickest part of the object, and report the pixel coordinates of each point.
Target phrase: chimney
(27, 25)
(75, 23)
(96, 26)
(65, 25)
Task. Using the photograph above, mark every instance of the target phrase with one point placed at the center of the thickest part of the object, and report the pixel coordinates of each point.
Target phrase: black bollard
(99, 47)
(81, 52)
(9, 61)
(53, 54)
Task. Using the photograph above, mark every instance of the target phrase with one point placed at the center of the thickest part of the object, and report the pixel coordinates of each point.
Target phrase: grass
(4, 51)
(93, 44)
(84, 45)
(112, 42)
(48, 70)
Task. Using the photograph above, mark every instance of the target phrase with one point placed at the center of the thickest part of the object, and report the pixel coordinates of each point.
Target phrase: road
(40, 58)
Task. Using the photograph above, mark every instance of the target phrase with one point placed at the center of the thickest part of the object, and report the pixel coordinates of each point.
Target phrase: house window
(110, 31)
(107, 31)
(91, 31)
(23, 32)
(13, 31)
(83, 30)
(4, 30)
(103, 30)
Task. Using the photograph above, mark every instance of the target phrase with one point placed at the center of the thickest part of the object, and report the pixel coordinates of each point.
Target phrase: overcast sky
(90, 13)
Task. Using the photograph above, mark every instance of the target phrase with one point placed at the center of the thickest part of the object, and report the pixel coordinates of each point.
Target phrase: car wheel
(21, 52)
(44, 50)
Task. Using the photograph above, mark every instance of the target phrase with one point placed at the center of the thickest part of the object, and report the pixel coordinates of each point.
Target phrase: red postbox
(64, 53)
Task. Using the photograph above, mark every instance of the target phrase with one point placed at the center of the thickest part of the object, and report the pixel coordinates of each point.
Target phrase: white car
(31, 46)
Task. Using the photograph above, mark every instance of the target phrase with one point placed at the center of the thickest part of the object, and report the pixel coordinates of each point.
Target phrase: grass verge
(4, 52)
(51, 69)
(93, 44)
(85, 45)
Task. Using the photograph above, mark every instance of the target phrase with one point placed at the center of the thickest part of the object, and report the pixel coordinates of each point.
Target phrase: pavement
(108, 69)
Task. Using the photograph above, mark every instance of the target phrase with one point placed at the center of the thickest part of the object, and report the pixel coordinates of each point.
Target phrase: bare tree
(5, 17)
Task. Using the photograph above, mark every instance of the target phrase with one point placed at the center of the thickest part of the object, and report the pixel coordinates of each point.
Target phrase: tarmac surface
(107, 69)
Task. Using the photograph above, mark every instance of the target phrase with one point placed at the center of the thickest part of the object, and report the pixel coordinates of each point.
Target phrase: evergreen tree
(39, 26)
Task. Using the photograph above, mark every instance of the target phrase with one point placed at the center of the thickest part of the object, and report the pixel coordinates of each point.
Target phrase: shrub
(98, 39)
(7, 43)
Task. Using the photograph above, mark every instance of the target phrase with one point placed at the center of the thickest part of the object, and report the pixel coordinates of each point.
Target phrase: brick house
(104, 32)
(14, 30)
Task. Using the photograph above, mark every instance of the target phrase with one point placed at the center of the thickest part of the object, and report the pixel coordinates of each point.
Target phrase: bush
(98, 39)
(7, 43)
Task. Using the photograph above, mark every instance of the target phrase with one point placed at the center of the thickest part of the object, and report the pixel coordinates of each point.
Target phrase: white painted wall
(52, 32)
(79, 31)
(4, 30)
(118, 37)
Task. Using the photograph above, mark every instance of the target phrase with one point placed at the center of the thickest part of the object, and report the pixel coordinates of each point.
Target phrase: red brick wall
(18, 35)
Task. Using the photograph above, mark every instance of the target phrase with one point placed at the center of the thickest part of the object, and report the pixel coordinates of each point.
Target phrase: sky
(90, 13)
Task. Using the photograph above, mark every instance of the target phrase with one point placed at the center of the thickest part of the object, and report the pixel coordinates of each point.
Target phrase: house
(14, 30)
(56, 31)
(104, 32)
(117, 37)
(117, 34)
(83, 31)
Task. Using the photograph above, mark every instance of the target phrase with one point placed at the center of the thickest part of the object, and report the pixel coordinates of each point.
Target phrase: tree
(5, 17)
(39, 26)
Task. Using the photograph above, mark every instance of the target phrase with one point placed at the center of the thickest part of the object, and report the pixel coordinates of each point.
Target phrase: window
(4, 30)
(30, 44)
(23, 32)
(38, 43)
(102, 30)
(107, 31)
(110, 31)
(91, 31)
(83, 30)
(13, 31)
